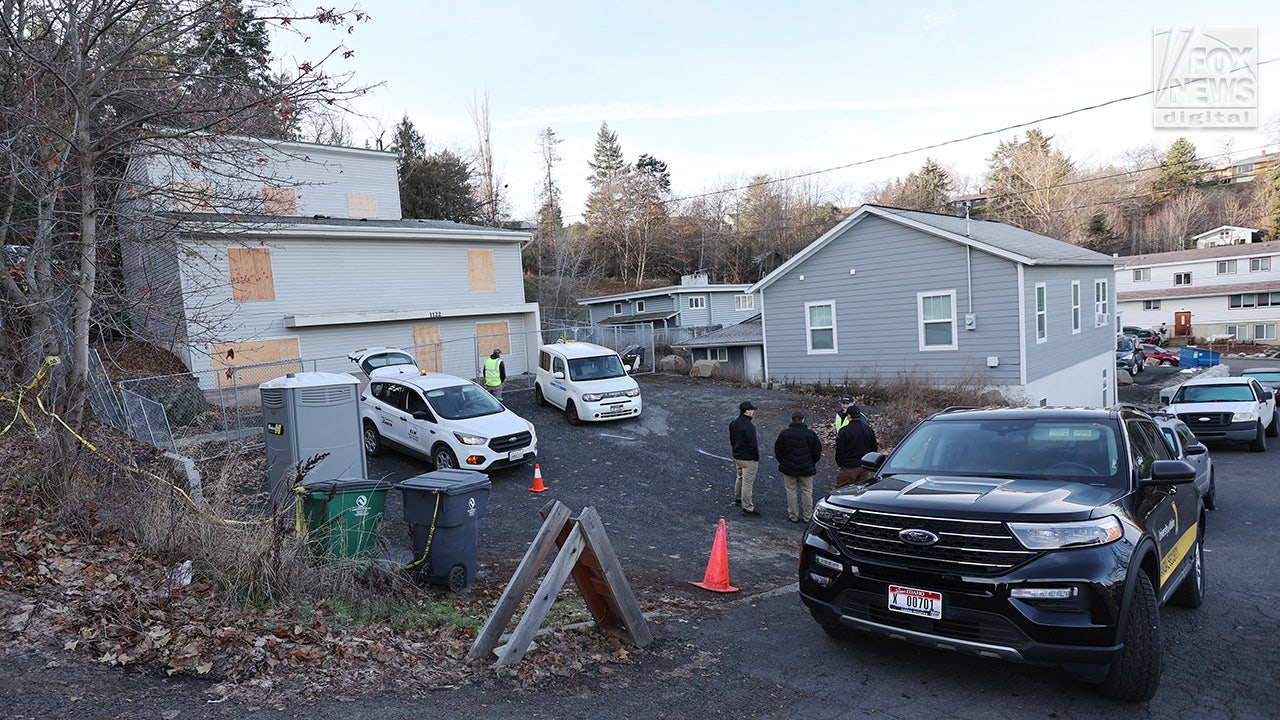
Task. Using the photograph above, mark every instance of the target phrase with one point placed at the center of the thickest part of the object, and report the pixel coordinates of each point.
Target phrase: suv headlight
(1053, 536)
(591, 397)
(831, 516)
(470, 439)
(1244, 417)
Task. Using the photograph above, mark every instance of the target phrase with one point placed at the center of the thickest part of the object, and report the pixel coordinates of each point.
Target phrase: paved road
(660, 489)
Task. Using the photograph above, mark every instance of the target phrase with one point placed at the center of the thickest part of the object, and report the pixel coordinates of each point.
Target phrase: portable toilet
(305, 415)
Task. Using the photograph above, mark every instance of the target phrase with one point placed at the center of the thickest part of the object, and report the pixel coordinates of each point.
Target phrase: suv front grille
(1205, 420)
(966, 547)
(505, 443)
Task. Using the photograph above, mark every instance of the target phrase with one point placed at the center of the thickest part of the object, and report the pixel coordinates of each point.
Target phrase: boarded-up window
(251, 274)
(232, 358)
(279, 201)
(480, 270)
(492, 335)
(427, 348)
(190, 196)
(362, 205)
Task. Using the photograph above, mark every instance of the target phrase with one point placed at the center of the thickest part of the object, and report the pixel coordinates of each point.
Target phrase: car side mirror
(872, 460)
(558, 375)
(1195, 449)
(1170, 472)
(422, 415)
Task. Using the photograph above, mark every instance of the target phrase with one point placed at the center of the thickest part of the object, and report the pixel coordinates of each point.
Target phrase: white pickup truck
(1227, 409)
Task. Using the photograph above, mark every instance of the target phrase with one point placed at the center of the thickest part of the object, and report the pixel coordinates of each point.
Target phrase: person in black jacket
(797, 450)
(853, 440)
(746, 456)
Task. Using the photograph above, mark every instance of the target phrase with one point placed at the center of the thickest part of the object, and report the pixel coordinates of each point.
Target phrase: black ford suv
(1039, 535)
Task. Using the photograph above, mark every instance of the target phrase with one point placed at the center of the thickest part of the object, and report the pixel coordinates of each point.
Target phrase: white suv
(450, 421)
(587, 381)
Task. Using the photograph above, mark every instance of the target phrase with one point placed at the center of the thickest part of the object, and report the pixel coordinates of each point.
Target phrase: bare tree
(492, 208)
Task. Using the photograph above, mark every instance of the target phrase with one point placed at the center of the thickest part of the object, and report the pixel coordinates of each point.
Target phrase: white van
(587, 381)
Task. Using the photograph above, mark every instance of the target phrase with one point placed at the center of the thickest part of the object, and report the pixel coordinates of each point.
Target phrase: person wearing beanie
(853, 440)
(797, 450)
(495, 373)
(746, 457)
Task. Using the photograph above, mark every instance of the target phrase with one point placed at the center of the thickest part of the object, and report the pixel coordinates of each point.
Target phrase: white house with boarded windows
(1205, 292)
(947, 300)
(695, 302)
(280, 250)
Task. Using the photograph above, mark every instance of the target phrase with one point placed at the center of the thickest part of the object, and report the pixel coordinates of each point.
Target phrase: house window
(617, 308)
(1150, 304)
(697, 302)
(1248, 300)
(1142, 275)
(744, 302)
(1182, 278)
(251, 276)
(1238, 332)
(820, 322)
(1101, 304)
(719, 354)
(1075, 306)
(1264, 332)
(1226, 267)
(639, 306)
(480, 272)
(1259, 264)
(1042, 317)
(937, 320)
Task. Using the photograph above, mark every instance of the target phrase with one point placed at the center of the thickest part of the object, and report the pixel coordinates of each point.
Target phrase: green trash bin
(341, 516)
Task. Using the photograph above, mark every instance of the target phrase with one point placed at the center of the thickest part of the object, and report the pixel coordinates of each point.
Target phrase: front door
(1182, 323)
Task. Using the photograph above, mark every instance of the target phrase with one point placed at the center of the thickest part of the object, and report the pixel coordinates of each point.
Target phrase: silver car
(1185, 446)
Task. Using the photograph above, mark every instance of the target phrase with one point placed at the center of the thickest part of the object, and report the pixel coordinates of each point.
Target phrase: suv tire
(1259, 443)
(1135, 674)
(571, 413)
(1190, 593)
(538, 397)
(373, 445)
(442, 457)
(1274, 429)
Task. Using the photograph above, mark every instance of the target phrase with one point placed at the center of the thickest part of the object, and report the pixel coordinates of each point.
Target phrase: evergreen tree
(606, 162)
(1180, 166)
(656, 169)
(1028, 186)
(432, 187)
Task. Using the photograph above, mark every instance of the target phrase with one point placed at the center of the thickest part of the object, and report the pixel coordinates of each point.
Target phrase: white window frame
(744, 302)
(617, 308)
(1264, 331)
(809, 328)
(1239, 332)
(639, 306)
(1182, 278)
(1042, 313)
(1101, 303)
(1150, 304)
(1075, 307)
(1226, 267)
(921, 322)
(1260, 264)
(720, 354)
(697, 302)
(1142, 275)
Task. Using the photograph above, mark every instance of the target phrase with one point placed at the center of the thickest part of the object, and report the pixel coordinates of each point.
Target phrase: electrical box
(970, 321)
(309, 414)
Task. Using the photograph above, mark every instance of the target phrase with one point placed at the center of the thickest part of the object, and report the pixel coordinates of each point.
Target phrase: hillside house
(889, 292)
(694, 303)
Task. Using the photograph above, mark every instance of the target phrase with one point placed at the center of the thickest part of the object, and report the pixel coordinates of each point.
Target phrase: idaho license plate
(515, 455)
(925, 603)
(615, 407)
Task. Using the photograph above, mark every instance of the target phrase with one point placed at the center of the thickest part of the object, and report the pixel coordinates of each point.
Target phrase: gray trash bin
(444, 507)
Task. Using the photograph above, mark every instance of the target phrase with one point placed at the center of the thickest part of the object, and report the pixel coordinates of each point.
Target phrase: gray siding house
(304, 255)
(693, 303)
(891, 291)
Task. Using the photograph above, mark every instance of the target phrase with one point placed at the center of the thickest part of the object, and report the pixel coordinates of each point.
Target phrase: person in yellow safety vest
(495, 373)
(842, 417)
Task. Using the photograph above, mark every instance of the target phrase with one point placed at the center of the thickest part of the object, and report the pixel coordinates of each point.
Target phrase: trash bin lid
(451, 481)
(344, 485)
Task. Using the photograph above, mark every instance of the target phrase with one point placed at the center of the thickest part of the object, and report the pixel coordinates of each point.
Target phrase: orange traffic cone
(717, 577)
(537, 479)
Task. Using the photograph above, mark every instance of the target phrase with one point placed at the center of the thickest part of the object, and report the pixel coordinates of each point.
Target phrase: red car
(1157, 355)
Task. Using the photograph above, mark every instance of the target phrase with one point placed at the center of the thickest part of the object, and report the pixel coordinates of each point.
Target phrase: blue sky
(722, 91)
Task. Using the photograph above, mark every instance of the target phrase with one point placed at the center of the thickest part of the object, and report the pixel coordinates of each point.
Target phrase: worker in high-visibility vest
(842, 417)
(495, 373)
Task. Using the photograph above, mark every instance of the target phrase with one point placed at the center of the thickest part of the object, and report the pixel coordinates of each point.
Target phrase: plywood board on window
(279, 201)
(190, 196)
(427, 348)
(251, 277)
(492, 335)
(362, 205)
(231, 359)
(480, 270)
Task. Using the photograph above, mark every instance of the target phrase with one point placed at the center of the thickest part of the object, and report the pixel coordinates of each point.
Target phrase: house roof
(666, 290)
(286, 225)
(1220, 228)
(1188, 291)
(1210, 253)
(747, 332)
(638, 317)
(1006, 241)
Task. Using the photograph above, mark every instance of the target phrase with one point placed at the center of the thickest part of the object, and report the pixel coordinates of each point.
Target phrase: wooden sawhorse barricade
(587, 554)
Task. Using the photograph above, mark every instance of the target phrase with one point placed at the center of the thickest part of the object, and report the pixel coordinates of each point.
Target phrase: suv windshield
(1213, 393)
(1124, 344)
(600, 367)
(1077, 450)
(460, 402)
